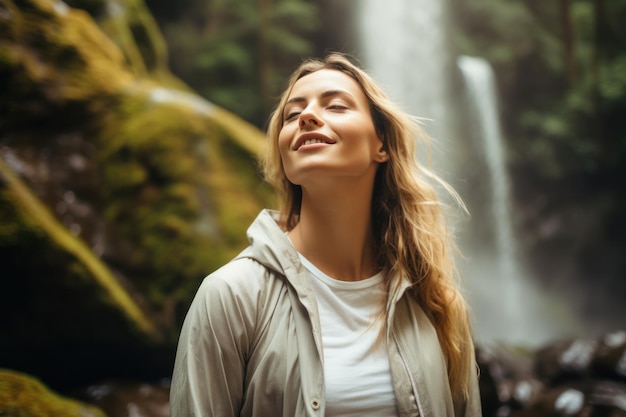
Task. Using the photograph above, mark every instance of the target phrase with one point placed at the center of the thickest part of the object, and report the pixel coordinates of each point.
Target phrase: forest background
(560, 68)
(159, 184)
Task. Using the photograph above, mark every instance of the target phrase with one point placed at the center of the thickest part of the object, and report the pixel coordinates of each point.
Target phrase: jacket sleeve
(209, 370)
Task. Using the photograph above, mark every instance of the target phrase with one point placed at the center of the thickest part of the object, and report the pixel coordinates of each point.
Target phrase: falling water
(479, 81)
(526, 313)
(407, 49)
(404, 49)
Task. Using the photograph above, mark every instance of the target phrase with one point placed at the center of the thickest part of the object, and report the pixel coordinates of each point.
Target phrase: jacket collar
(270, 246)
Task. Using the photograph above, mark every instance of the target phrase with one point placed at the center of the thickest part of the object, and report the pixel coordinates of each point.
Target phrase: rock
(506, 379)
(580, 377)
(596, 398)
(610, 357)
(556, 402)
(565, 360)
(604, 357)
(129, 399)
(24, 396)
(120, 189)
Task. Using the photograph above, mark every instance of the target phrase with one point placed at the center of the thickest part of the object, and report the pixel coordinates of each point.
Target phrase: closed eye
(291, 115)
(337, 107)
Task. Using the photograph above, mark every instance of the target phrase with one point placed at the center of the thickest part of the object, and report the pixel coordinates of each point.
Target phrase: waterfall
(498, 263)
(525, 312)
(479, 81)
(407, 50)
(402, 48)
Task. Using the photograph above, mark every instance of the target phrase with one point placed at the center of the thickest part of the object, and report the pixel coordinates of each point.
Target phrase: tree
(238, 53)
(568, 40)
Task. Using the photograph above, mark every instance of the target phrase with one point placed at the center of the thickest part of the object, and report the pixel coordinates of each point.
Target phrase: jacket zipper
(317, 339)
(410, 376)
(323, 393)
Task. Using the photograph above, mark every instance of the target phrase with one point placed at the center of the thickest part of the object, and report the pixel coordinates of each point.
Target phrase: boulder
(120, 189)
(577, 377)
(24, 396)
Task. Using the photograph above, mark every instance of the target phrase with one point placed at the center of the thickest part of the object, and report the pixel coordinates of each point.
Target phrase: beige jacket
(251, 343)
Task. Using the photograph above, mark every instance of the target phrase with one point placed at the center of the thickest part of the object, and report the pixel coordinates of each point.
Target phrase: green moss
(176, 180)
(153, 219)
(230, 189)
(40, 215)
(125, 174)
(96, 8)
(189, 214)
(56, 63)
(24, 396)
(134, 30)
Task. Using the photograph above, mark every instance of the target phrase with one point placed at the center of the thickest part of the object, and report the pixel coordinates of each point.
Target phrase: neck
(335, 232)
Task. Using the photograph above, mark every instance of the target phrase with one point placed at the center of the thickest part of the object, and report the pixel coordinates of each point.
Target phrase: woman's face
(328, 132)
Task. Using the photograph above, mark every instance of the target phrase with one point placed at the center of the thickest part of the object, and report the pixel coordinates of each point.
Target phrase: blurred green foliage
(562, 74)
(126, 164)
(237, 53)
(169, 192)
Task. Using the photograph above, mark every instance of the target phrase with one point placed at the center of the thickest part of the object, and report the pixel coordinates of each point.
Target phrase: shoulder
(229, 298)
(241, 270)
(242, 282)
(238, 277)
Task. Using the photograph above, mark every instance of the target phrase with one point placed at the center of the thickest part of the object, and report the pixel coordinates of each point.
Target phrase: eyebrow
(325, 94)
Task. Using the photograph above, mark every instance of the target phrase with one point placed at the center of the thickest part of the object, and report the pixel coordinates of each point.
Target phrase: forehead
(324, 80)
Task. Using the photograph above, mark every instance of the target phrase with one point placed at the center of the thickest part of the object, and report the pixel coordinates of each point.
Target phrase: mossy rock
(24, 396)
(120, 189)
(178, 191)
(168, 182)
(57, 68)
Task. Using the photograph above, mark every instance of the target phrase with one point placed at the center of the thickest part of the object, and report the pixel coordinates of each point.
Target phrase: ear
(381, 156)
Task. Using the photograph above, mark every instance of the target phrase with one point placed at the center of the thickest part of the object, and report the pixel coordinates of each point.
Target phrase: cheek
(284, 144)
(284, 141)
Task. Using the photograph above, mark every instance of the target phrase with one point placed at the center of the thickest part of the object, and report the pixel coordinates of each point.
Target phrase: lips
(311, 138)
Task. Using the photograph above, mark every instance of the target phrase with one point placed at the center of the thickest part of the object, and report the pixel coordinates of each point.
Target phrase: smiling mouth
(312, 141)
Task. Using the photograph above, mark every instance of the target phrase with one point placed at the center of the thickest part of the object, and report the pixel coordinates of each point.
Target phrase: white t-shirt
(356, 373)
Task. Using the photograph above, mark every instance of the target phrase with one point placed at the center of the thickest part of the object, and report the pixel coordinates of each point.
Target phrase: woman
(345, 303)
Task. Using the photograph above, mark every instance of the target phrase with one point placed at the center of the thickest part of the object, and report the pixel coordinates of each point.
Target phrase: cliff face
(120, 188)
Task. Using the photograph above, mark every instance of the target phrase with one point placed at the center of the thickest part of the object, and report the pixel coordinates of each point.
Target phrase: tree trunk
(265, 59)
(596, 63)
(567, 31)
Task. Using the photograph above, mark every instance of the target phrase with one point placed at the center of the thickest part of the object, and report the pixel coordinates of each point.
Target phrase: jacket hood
(270, 246)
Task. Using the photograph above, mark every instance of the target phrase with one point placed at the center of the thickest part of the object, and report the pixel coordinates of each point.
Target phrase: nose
(309, 118)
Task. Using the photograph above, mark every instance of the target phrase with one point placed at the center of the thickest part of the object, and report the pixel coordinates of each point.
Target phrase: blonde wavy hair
(411, 235)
